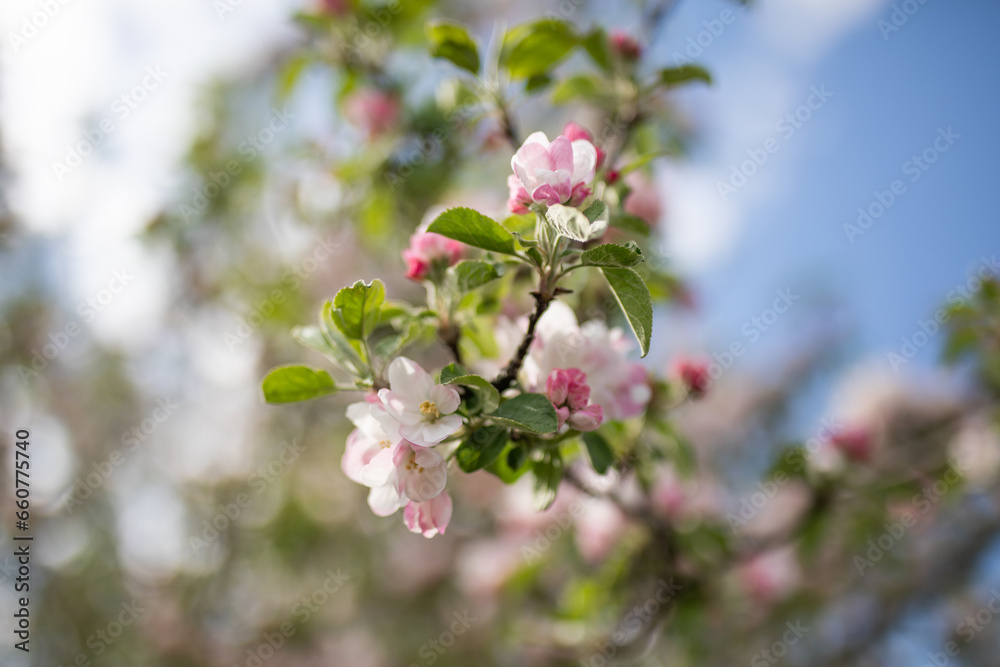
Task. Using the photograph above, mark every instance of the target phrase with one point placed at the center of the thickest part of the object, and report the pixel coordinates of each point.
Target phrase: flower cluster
(556, 379)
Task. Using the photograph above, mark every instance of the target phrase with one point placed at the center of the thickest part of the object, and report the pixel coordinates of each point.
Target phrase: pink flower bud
(612, 176)
(557, 386)
(570, 394)
(373, 110)
(856, 443)
(693, 373)
(575, 132)
(587, 419)
(624, 45)
(428, 250)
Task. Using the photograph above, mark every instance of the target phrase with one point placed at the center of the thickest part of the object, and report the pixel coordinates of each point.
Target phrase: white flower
(419, 410)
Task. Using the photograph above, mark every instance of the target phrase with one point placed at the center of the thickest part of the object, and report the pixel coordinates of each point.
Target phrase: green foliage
(602, 457)
(537, 47)
(676, 76)
(481, 448)
(532, 413)
(633, 296)
(453, 42)
(357, 309)
(613, 256)
(470, 274)
(474, 229)
(548, 474)
(288, 384)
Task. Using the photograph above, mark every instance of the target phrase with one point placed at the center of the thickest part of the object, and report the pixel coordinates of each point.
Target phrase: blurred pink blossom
(427, 250)
(644, 200)
(624, 44)
(374, 111)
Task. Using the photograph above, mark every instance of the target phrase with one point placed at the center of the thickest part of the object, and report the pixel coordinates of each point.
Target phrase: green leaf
(676, 76)
(288, 384)
(612, 255)
(633, 296)
(585, 87)
(573, 223)
(537, 82)
(481, 448)
(631, 223)
(596, 45)
(548, 473)
(453, 42)
(452, 371)
(600, 452)
(472, 273)
(543, 44)
(527, 412)
(475, 229)
(511, 464)
(488, 394)
(356, 309)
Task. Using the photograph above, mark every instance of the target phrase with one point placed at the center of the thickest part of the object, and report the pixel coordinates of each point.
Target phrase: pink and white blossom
(429, 250)
(570, 395)
(617, 384)
(559, 172)
(421, 411)
(374, 111)
(421, 473)
(429, 518)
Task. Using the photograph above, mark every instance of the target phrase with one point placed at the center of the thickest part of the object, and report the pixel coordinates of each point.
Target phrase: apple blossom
(422, 411)
(366, 440)
(644, 200)
(429, 518)
(421, 473)
(570, 395)
(429, 251)
(618, 385)
(624, 44)
(855, 443)
(559, 172)
(575, 132)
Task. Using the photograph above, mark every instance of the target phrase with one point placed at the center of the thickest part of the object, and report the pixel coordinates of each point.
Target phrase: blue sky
(785, 227)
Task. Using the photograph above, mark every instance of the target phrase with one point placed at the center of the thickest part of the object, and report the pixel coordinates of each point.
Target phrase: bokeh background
(178, 318)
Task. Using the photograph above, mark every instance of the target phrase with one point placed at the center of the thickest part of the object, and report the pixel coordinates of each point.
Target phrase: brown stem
(506, 379)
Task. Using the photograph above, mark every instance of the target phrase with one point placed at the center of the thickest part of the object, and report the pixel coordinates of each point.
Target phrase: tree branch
(506, 379)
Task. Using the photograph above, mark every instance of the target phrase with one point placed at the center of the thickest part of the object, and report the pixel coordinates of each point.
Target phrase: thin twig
(506, 379)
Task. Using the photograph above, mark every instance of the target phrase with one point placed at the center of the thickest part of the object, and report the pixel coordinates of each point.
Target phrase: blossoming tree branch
(553, 389)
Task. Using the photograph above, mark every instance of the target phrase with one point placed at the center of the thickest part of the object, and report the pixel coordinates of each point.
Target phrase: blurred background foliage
(231, 526)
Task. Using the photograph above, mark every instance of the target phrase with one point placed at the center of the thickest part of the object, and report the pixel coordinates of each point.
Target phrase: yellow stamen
(429, 409)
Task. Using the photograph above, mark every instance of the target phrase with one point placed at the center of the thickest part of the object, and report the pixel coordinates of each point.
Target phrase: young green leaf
(548, 474)
(488, 394)
(475, 229)
(585, 87)
(511, 464)
(633, 296)
(527, 412)
(481, 448)
(612, 255)
(288, 384)
(600, 452)
(453, 42)
(596, 45)
(543, 44)
(676, 76)
(573, 223)
(471, 273)
(356, 309)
